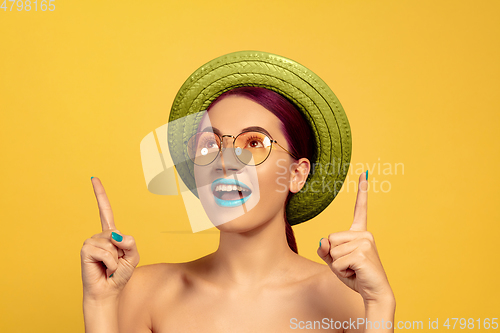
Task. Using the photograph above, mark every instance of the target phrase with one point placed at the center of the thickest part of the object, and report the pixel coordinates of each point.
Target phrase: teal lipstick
(221, 185)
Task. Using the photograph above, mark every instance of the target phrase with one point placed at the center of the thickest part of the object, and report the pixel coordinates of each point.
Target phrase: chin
(239, 225)
(252, 220)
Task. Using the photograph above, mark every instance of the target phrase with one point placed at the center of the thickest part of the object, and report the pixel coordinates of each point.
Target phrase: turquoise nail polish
(116, 237)
(111, 275)
(320, 242)
(366, 174)
(91, 178)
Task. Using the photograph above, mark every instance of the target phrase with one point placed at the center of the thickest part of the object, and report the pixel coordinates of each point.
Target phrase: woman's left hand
(353, 257)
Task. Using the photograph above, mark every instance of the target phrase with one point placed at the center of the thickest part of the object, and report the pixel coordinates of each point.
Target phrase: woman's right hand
(108, 258)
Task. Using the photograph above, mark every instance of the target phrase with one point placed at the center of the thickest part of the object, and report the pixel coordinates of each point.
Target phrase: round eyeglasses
(250, 148)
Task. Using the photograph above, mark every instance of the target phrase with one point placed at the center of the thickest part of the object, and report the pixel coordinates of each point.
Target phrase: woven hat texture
(311, 95)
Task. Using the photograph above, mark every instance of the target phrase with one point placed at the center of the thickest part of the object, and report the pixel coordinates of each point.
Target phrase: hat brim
(311, 95)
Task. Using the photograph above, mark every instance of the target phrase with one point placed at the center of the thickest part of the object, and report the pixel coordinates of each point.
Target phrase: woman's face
(264, 188)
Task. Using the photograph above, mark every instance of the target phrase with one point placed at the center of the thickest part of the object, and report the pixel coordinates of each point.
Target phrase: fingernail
(91, 178)
(116, 237)
(366, 174)
(111, 275)
(320, 242)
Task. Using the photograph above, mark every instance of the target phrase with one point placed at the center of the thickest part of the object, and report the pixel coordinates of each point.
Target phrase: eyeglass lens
(250, 148)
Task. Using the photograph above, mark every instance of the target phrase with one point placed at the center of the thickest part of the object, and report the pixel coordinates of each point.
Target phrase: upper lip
(226, 181)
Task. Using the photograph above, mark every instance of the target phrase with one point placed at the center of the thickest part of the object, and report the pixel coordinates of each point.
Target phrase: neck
(256, 257)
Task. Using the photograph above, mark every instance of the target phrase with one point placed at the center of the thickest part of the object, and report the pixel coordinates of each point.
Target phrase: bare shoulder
(143, 292)
(332, 294)
(149, 280)
(154, 274)
(162, 282)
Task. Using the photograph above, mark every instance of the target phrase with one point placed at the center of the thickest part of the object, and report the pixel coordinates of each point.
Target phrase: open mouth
(230, 192)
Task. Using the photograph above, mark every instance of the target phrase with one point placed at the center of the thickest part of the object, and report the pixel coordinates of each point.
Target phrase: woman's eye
(255, 144)
(211, 144)
(207, 143)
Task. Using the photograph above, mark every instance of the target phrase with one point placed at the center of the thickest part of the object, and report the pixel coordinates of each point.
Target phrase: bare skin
(254, 282)
(189, 298)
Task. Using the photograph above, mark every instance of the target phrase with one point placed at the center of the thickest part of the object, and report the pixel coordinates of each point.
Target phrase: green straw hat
(312, 97)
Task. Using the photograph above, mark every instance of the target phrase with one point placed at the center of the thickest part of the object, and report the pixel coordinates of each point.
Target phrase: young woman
(255, 281)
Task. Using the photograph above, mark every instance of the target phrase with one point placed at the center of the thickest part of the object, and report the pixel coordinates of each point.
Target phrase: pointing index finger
(361, 209)
(105, 212)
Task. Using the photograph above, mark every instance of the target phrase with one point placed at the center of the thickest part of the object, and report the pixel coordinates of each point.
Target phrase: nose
(227, 160)
(227, 140)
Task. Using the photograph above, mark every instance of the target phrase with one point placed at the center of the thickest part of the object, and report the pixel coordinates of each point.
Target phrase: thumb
(324, 251)
(127, 244)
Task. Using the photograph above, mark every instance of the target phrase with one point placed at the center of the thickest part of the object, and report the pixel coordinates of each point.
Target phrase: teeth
(228, 188)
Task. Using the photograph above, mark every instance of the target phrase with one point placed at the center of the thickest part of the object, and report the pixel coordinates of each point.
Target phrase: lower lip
(231, 203)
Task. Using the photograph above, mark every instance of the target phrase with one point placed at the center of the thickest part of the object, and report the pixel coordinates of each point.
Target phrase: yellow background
(82, 85)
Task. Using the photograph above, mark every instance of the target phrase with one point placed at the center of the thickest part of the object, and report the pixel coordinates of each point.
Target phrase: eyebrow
(246, 129)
